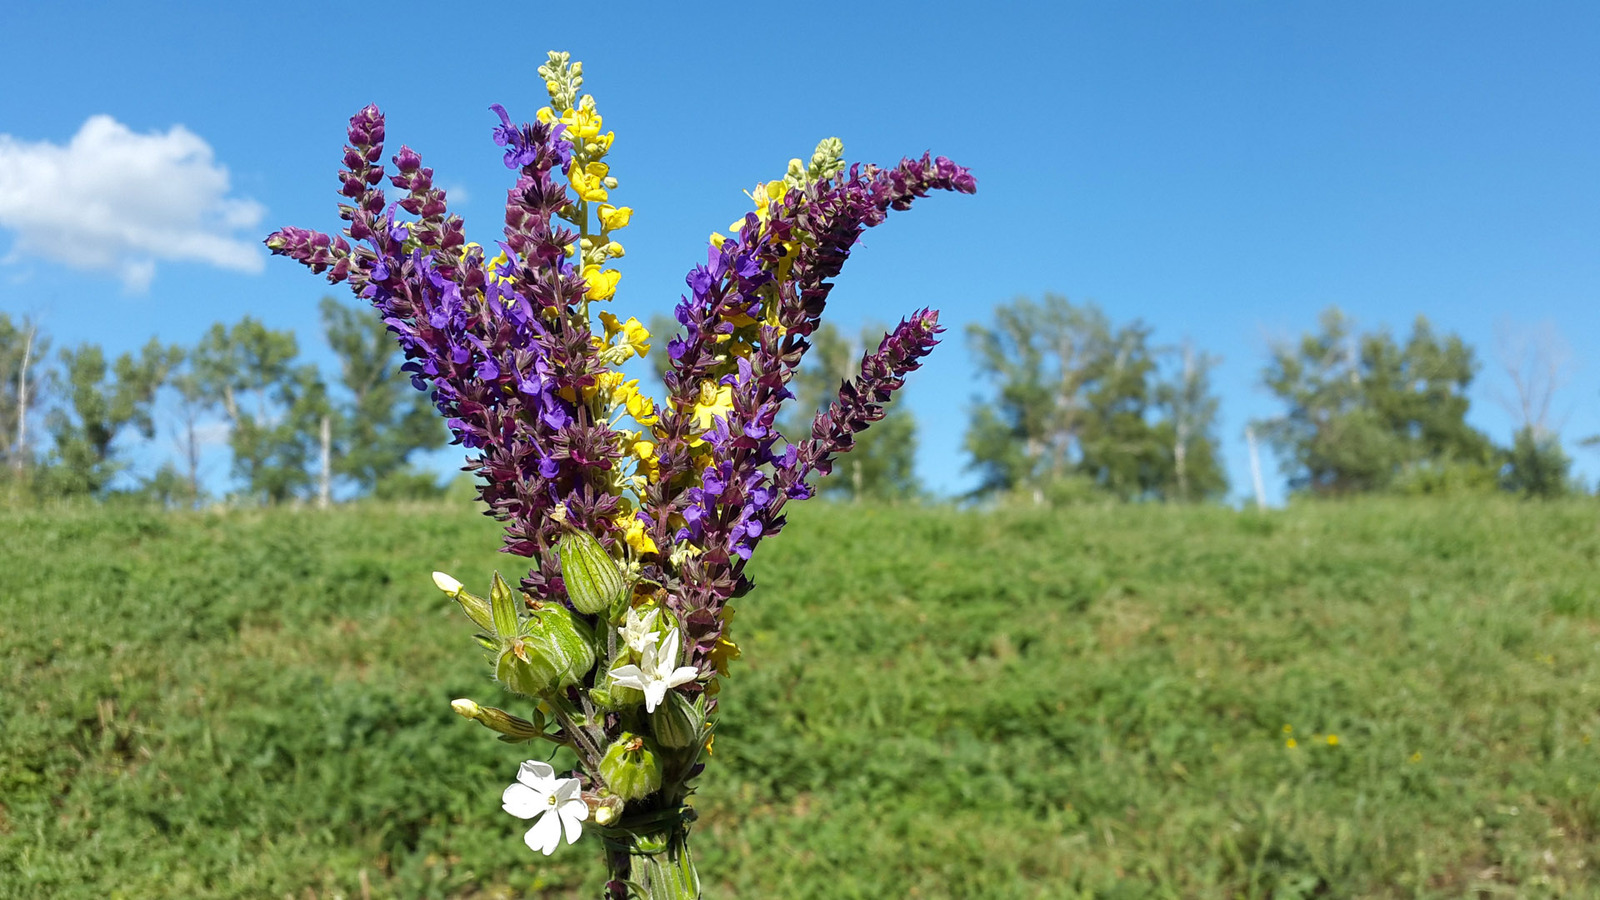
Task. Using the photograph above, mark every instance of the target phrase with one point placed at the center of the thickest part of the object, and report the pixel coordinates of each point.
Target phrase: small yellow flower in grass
(1416, 757)
(1333, 740)
(1288, 729)
(1291, 743)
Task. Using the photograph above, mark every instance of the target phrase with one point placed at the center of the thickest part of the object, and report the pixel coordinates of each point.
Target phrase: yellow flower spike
(614, 217)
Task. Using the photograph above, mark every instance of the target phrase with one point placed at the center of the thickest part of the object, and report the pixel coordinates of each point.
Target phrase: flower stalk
(638, 518)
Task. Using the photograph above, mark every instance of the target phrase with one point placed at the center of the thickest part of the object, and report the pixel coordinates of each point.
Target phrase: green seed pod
(554, 650)
(676, 724)
(632, 767)
(594, 580)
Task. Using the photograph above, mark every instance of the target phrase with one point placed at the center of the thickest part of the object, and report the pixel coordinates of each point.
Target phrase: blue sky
(1223, 171)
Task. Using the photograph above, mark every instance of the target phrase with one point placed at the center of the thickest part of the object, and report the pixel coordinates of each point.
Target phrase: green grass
(932, 703)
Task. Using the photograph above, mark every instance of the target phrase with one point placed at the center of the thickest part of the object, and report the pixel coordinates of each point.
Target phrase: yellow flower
(604, 386)
(642, 409)
(709, 741)
(614, 217)
(1288, 729)
(636, 336)
(602, 282)
(587, 180)
(633, 532)
(716, 239)
(724, 652)
(1333, 740)
(648, 464)
(1416, 757)
(715, 400)
(495, 265)
(1290, 743)
(582, 124)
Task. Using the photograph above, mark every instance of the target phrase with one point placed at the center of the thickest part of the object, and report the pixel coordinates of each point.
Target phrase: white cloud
(115, 201)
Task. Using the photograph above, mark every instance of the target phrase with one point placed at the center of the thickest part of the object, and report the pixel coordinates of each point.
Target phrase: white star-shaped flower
(639, 632)
(553, 802)
(657, 672)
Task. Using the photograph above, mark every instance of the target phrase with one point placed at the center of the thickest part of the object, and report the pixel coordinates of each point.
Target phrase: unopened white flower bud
(445, 583)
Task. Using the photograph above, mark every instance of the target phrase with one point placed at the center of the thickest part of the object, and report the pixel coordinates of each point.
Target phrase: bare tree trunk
(1255, 468)
(325, 487)
(20, 451)
(1180, 447)
(191, 456)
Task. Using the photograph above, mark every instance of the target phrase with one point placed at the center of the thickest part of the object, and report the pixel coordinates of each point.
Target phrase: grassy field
(1384, 698)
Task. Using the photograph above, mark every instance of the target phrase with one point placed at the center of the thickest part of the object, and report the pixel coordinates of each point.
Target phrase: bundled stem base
(651, 867)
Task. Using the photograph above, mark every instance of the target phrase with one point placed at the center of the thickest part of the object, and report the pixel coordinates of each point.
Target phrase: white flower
(445, 583)
(657, 672)
(554, 802)
(639, 631)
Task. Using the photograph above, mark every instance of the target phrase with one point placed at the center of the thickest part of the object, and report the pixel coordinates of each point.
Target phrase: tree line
(293, 432)
(1080, 408)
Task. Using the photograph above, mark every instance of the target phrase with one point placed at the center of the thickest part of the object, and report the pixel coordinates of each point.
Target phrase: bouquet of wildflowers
(639, 520)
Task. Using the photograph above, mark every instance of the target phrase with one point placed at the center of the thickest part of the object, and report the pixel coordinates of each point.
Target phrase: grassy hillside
(933, 703)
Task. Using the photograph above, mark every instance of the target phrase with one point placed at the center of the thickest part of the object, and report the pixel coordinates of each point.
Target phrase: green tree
(274, 405)
(882, 465)
(101, 402)
(386, 420)
(1365, 411)
(1079, 406)
(1536, 466)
